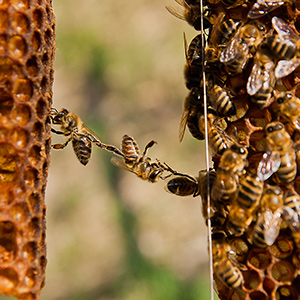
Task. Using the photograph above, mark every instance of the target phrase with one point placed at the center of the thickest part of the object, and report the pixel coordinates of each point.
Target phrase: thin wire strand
(207, 158)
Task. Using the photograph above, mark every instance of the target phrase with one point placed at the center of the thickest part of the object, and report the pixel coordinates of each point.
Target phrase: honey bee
(81, 136)
(192, 111)
(223, 31)
(222, 265)
(232, 164)
(191, 14)
(262, 80)
(236, 54)
(140, 165)
(218, 139)
(289, 107)
(267, 226)
(280, 147)
(193, 68)
(220, 99)
(291, 214)
(262, 7)
(285, 46)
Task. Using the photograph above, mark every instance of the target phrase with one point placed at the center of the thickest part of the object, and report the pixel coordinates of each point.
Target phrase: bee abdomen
(83, 150)
(288, 168)
(286, 49)
(258, 238)
(130, 149)
(221, 101)
(227, 30)
(217, 142)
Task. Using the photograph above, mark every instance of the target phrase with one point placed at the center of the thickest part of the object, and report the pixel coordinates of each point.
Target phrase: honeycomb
(27, 30)
(268, 262)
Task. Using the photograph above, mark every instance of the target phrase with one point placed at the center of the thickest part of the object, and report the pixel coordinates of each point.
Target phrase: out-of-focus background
(111, 236)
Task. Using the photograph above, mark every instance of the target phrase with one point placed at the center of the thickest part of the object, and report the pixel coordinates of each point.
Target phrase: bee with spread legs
(267, 226)
(237, 53)
(289, 107)
(79, 134)
(140, 165)
(262, 7)
(280, 147)
(232, 164)
(261, 81)
(223, 266)
(286, 46)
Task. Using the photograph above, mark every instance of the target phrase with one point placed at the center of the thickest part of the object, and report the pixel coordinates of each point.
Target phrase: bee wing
(268, 165)
(182, 124)
(91, 135)
(284, 30)
(255, 80)
(230, 51)
(175, 13)
(119, 162)
(262, 7)
(286, 67)
(272, 222)
(291, 218)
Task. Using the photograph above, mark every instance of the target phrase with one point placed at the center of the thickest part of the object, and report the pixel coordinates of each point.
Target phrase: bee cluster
(250, 53)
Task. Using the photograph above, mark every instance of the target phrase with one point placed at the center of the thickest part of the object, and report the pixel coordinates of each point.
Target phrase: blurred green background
(111, 236)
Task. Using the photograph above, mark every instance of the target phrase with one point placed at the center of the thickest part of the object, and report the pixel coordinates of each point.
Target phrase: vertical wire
(207, 157)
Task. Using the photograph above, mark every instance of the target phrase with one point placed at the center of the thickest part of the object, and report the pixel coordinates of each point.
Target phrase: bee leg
(56, 131)
(61, 146)
(149, 145)
(114, 150)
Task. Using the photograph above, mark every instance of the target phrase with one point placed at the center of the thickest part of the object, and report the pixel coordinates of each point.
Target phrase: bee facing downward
(81, 136)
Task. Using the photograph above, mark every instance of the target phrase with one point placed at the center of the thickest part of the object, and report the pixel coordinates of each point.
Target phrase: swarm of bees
(249, 52)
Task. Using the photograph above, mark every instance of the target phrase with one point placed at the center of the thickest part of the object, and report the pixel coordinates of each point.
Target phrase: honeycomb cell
(38, 18)
(34, 227)
(44, 85)
(36, 40)
(20, 212)
(283, 271)
(37, 130)
(258, 295)
(19, 137)
(31, 176)
(260, 259)
(6, 198)
(8, 236)
(20, 23)
(20, 4)
(286, 292)
(3, 44)
(251, 280)
(269, 285)
(259, 118)
(32, 66)
(21, 114)
(296, 259)
(282, 247)
(34, 155)
(41, 108)
(30, 277)
(48, 36)
(45, 60)
(4, 20)
(257, 141)
(240, 249)
(17, 46)
(23, 89)
(8, 279)
(6, 105)
(34, 203)
(8, 163)
(29, 251)
(45, 169)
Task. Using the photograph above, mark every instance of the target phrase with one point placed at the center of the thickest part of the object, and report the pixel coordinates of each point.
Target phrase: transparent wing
(284, 30)
(175, 13)
(262, 7)
(272, 222)
(286, 67)
(119, 162)
(268, 165)
(182, 125)
(255, 80)
(231, 51)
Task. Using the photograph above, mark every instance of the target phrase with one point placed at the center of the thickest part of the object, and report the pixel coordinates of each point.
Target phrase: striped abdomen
(285, 49)
(83, 149)
(288, 167)
(130, 149)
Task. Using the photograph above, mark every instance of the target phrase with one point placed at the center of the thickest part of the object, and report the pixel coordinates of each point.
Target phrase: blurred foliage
(111, 236)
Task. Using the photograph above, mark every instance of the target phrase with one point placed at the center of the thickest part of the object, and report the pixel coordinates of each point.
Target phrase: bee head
(57, 117)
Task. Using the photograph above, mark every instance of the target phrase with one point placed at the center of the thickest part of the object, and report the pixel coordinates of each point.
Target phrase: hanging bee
(79, 134)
